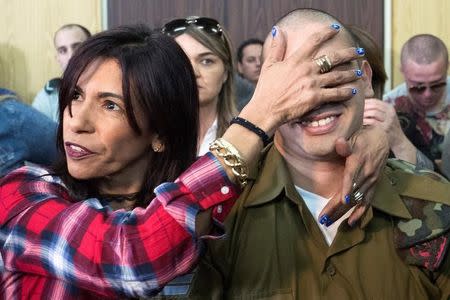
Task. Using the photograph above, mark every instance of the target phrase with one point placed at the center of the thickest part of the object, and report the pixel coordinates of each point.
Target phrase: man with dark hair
(277, 248)
(249, 59)
(66, 40)
(423, 101)
(249, 67)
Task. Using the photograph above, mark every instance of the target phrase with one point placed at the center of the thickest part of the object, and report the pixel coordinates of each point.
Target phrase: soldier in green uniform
(278, 249)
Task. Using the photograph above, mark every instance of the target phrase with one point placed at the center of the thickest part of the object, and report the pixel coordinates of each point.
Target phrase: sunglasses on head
(420, 88)
(179, 26)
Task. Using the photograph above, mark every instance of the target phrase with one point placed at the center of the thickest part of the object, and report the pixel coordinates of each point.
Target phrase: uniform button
(225, 190)
(331, 270)
(219, 209)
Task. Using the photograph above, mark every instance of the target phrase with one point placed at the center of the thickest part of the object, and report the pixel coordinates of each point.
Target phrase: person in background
(383, 114)
(207, 45)
(281, 247)
(249, 59)
(66, 40)
(423, 100)
(249, 67)
(127, 130)
(25, 134)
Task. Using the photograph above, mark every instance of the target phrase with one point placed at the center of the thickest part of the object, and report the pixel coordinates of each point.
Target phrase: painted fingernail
(274, 31)
(347, 199)
(354, 91)
(328, 223)
(324, 220)
(336, 26)
(358, 73)
(360, 51)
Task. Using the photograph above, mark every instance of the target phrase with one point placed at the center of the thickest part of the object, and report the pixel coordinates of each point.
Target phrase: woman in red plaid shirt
(128, 126)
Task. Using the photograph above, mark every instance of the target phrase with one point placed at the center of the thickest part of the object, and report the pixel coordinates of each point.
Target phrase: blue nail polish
(354, 91)
(336, 26)
(329, 222)
(358, 73)
(347, 199)
(360, 51)
(324, 220)
(274, 31)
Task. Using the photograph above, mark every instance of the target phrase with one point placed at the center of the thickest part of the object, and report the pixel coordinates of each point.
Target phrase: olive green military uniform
(275, 249)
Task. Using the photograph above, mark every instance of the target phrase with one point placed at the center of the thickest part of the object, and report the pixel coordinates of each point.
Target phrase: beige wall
(27, 27)
(410, 17)
(27, 56)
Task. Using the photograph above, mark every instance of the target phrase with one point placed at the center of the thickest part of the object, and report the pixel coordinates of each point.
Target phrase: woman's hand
(366, 153)
(383, 115)
(289, 87)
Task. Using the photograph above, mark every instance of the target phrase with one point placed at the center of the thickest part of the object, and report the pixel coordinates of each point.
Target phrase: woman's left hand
(366, 153)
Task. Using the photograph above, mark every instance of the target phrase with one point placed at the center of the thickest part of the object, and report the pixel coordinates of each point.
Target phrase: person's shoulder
(4, 91)
(423, 237)
(6, 94)
(404, 167)
(52, 85)
(398, 91)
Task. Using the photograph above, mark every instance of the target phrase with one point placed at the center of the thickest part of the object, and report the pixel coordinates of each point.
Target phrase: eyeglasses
(178, 26)
(434, 88)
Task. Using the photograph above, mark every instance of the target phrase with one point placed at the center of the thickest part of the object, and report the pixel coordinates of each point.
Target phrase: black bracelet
(253, 128)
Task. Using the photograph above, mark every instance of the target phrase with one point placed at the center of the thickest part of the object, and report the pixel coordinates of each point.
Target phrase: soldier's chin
(321, 150)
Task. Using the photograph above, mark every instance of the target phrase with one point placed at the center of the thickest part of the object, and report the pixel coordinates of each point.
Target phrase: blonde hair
(220, 46)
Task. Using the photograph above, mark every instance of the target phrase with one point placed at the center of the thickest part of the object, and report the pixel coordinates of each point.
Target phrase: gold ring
(324, 64)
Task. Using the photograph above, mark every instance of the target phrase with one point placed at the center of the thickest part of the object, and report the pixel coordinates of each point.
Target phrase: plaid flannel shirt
(55, 248)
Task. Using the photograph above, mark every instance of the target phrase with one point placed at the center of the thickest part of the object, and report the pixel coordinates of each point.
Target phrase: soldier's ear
(367, 79)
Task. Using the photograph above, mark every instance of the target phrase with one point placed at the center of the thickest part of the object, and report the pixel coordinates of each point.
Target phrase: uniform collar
(274, 179)
(387, 198)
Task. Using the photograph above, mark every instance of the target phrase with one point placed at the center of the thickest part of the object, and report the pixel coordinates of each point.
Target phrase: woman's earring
(157, 147)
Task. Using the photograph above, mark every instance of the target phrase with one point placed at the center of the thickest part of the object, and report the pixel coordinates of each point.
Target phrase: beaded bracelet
(232, 158)
(253, 128)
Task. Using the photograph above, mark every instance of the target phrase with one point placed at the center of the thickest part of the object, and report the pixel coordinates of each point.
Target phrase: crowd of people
(161, 164)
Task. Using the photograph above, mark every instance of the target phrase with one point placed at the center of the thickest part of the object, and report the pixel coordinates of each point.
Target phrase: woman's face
(208, 67)
(98, 140)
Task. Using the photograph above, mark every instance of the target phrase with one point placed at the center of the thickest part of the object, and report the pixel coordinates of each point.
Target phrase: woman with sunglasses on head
(209, 49)
(119, 147)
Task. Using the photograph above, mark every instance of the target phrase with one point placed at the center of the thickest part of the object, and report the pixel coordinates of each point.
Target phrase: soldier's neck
(323, 178)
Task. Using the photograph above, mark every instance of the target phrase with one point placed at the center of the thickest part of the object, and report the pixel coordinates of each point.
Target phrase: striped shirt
(53, 247)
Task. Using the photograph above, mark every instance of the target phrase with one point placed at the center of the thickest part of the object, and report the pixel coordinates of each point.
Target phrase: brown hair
(373, 56)
(220, 46)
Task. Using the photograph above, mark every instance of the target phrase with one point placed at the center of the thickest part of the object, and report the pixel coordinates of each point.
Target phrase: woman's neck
(207, 115)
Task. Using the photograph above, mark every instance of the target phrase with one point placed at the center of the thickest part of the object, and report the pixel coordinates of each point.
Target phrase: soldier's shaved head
(297, 18)
(424, 49)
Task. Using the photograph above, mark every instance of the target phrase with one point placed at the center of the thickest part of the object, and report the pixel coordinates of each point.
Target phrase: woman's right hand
(289, 87)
